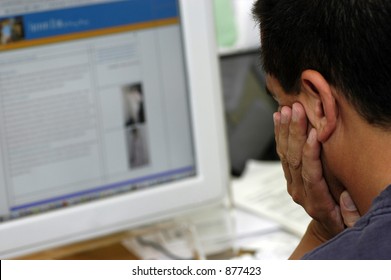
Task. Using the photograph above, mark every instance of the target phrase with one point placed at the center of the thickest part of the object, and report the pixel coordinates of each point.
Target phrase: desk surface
(254, 236)
(105, 248)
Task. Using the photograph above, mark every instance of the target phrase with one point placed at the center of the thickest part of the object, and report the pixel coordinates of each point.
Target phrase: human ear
(319, 103)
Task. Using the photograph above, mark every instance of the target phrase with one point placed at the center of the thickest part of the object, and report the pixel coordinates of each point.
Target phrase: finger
(282, 140)
(276, 120)
(321, 204)
(277, 124)
(296, 141)
(349, 210)
(312, 166)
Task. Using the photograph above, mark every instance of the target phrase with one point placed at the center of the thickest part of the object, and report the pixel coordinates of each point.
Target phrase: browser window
(93, 100)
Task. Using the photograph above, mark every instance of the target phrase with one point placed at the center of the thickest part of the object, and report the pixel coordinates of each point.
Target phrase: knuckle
(283, 159)
(293, 130)
(296, 197)
(290, 190)
(294, 161)
(279, 152)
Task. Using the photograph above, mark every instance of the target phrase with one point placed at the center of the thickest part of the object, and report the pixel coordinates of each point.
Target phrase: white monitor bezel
(210, 185)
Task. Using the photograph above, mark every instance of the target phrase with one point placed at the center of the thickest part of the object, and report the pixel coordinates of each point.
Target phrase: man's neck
(367, 172)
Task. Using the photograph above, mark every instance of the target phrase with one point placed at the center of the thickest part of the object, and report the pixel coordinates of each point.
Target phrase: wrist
(319, 232)
(315, 236)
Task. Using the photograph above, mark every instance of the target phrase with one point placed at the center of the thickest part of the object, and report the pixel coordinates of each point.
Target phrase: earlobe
(322, 109)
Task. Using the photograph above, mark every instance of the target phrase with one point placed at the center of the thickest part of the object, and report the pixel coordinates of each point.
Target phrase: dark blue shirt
(369, 239)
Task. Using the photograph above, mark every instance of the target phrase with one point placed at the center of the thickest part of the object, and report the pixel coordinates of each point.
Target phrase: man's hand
(299, 151)
(349, 210)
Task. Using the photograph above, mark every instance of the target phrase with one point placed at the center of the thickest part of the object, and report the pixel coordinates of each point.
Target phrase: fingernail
(284, 117)
(348, 202)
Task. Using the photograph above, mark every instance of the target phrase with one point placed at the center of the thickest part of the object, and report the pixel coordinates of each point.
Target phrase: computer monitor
(111, 118)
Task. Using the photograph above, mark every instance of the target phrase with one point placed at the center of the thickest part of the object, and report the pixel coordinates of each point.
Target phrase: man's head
(348, 42)
(334, 57)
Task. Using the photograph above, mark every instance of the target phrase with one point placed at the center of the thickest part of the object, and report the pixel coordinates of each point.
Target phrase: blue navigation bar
(95, 17)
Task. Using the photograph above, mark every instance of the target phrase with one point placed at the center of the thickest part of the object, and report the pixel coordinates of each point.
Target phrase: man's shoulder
(368, 239)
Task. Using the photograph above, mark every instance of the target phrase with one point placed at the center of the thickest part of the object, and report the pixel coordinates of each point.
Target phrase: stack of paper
(262, 190)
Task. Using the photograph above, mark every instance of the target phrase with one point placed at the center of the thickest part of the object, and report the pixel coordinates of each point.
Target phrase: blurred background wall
(248, 108)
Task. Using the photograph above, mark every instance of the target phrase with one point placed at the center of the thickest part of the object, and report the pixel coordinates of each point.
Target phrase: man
(328, 65)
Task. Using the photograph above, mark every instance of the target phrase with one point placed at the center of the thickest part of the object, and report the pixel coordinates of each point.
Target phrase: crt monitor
(111, 118)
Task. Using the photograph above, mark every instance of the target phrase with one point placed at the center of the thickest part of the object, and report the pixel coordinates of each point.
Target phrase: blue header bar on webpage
(95, 17)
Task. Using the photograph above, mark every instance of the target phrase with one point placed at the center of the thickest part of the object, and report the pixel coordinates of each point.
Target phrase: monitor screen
(110, 115)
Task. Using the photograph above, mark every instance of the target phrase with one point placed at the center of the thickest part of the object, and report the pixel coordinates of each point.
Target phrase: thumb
(349, 210)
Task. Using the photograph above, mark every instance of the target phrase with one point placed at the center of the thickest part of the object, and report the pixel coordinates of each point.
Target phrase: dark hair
(347, 41)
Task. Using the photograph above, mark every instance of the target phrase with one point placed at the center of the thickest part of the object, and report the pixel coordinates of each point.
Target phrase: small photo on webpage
(135, 125)
(11, 30)
(133, 101)
(137, 146)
